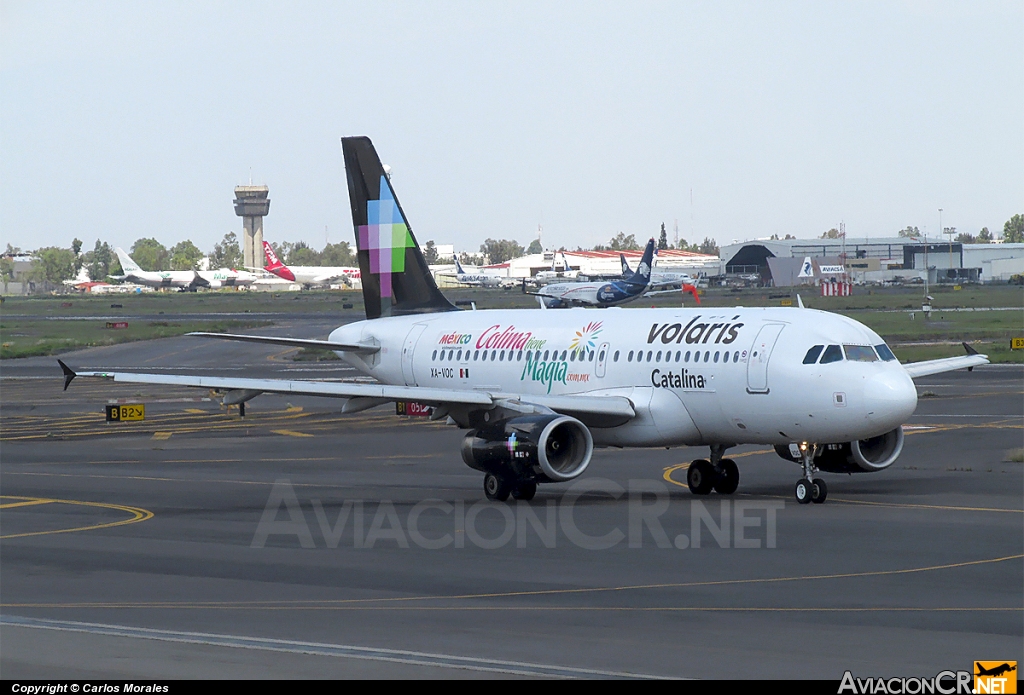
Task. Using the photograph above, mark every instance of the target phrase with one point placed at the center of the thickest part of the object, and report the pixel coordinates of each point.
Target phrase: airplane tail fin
(458, 266)
(127, 264)
(642, 276)
(395, 276)
(274, 264)
(626, 270)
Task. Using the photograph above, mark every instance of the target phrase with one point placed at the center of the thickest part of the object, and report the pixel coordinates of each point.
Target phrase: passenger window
(885, 353)
(736, 356)
(592, 355)
(460, 354)
(501, 356)
(434, 356)
(615, 357)
(629, 357)
(860, 353)
(657, 358)
(686, 357)
(601, 357)
(546, 353)
(707, 355)
(833, 353)
(812, 355)
(484, 356)
(494, 355)
(563, 355)
(649, 353)
(679, 355)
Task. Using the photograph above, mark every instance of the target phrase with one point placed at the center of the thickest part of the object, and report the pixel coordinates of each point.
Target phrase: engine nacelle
(546, 448)
(215, 284)
(860, 456)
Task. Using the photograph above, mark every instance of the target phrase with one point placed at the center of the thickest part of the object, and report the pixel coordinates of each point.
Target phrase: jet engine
(214, 284)
(860, 456)
(545, 448)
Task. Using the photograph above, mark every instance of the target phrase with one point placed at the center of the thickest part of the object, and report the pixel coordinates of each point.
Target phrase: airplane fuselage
(719, 376)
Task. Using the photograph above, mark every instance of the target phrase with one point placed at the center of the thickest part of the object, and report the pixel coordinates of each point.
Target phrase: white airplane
(538, 390)
(226, 277)
(559, 271)
(182, 279)
(478, 279)
(598, 294)
(308, 274)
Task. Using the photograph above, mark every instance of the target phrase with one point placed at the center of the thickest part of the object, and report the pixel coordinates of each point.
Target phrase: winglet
(69, 374)
(970, 351)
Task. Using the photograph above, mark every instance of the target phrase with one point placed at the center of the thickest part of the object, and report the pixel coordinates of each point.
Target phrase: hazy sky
(128, 119)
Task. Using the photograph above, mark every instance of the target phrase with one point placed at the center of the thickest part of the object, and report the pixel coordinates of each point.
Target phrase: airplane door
(407, 353)
(602, 359)
(760, 353)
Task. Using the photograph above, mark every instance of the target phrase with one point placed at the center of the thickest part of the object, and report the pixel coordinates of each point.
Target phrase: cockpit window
(812, 355)
(833, 353)
(860, 353)
(885, 353)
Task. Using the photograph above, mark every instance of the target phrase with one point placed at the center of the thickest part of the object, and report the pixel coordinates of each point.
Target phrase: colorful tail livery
(274, 265)
(395, 276)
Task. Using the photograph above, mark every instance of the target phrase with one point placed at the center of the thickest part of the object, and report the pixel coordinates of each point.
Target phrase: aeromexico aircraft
(598, 294)
(306, 274)
(663, 282)
(481, 279)
(538, 390)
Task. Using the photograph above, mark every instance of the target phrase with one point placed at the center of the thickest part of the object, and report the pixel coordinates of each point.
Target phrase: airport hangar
(883, 259)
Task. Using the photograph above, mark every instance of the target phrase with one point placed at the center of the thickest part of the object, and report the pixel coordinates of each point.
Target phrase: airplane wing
(595, 409)
(358, 348)
(947, 364)
(323, 279)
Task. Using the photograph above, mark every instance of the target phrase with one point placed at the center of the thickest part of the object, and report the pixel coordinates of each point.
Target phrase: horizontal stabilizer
(946, 364)
(295, 342)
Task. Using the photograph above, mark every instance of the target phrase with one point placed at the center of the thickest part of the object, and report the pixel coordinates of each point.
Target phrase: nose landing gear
(809, 488)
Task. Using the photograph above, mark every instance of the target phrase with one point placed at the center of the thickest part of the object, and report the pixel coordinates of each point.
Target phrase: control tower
(252, 205)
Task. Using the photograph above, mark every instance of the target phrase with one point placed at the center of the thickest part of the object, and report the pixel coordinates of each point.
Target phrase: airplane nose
(891, 397)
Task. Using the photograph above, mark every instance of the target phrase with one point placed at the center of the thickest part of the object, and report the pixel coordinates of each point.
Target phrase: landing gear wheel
(729, 479)
(700, 476)
(819, 491)
(804, 491)
(524, 490)
(496, 488)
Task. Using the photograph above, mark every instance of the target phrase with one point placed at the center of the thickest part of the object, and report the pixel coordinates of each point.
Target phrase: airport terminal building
(776, 262)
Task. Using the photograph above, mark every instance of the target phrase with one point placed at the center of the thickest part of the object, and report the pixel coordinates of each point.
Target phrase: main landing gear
(718, 474)
(809, 488)
(498, 488)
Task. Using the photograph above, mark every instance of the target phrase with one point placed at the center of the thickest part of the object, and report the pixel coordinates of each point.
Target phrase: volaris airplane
(538, 390)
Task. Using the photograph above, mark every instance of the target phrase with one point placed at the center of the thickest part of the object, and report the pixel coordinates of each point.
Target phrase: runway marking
(160, 436)
(196, 411)
(28, 503)
(138, 514)
(291, 433)
(324, 604)
(347, 651)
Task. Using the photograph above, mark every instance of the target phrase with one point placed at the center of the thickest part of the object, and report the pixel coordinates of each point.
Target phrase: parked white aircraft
(560, 270)
(226, 277)
(308, 274)
(538, 390)
(183, 279)
(478, 278)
